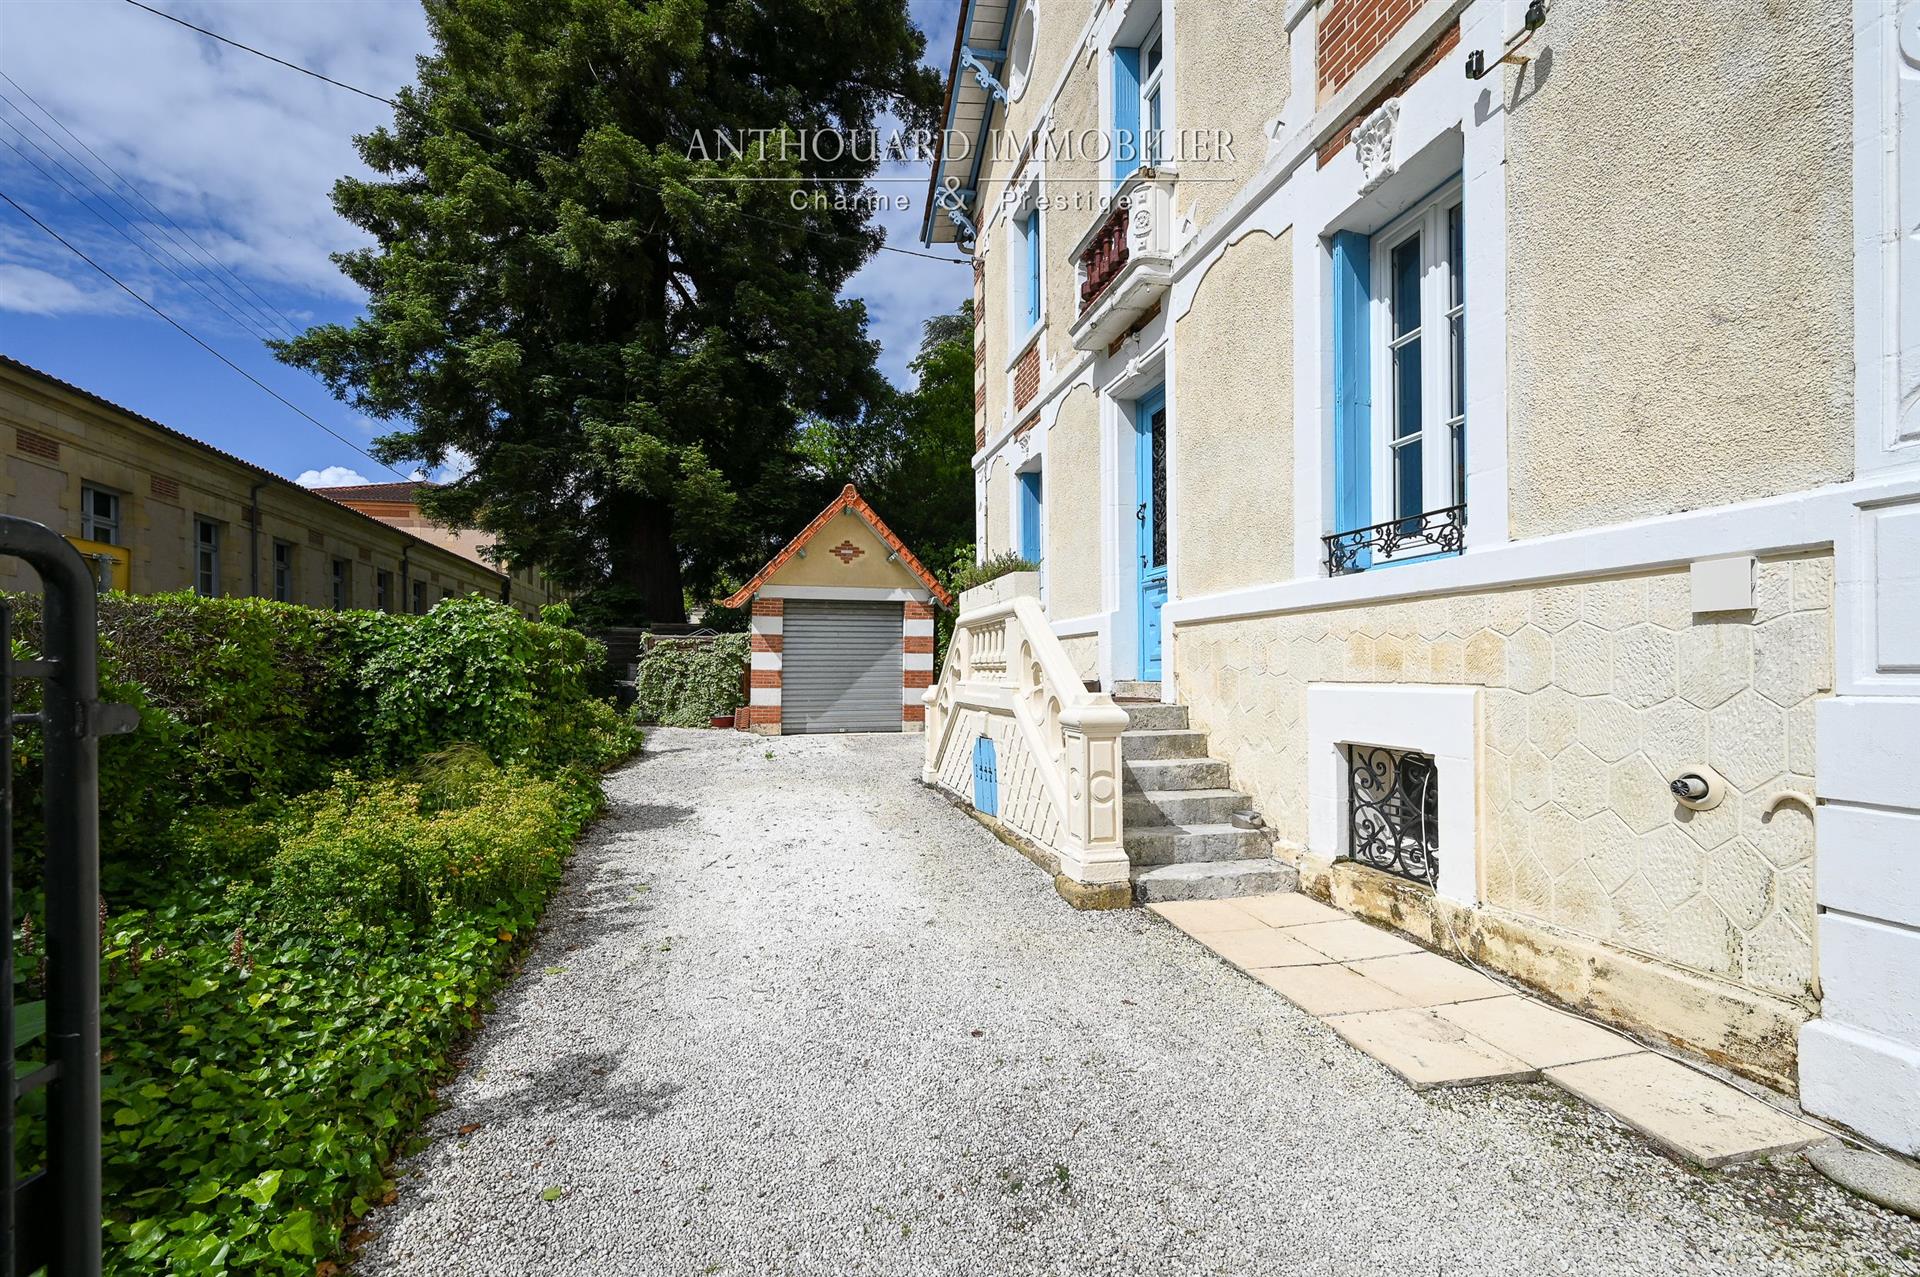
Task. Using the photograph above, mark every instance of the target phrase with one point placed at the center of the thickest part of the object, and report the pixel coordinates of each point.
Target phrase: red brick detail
(1026, 377)
(913, 713)
(916, 678)
(763, 678)
(918, 611)
(1351, 32)
(1429, 58)
(161, 486)
(847, 500)
(979, 398)
(918, 643)
(768, 642)
(35, 444)
(762, 714)
(767, 607)
(846, 552)
(979, 437)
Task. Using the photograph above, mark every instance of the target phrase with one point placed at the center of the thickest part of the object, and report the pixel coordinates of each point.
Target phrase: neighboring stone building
(158, 510)
(398, 505)
(1476, 445)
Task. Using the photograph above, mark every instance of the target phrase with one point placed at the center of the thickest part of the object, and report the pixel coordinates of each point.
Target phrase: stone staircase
(1179, 807)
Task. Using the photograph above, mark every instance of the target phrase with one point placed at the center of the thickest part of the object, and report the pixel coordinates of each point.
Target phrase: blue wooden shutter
(1126, 113)
(1031, 545)
(1032, 231)
(1352, 385)
(986, 780)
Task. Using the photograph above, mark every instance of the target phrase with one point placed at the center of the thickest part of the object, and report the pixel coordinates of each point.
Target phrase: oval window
(1020, 53)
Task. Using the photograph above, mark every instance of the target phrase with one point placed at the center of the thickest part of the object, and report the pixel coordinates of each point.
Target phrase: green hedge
(690, 682)
(322, 851)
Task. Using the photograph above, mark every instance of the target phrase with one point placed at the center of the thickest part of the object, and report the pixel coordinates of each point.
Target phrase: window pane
(1456, 258)
(1406, 287)
(1153, 56)
(1406, 479)
(1459, 434)
(1406, 389)
(1457, 338)
(1153, 128)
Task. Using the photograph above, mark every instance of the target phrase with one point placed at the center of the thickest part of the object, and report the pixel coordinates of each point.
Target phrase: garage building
(842, 628)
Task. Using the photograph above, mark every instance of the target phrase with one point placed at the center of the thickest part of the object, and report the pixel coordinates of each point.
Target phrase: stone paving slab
(1202, 917)
(1263, 948)
(1534, 1032)
(1684, 1111)
(1288, 909)
(1427, 1051)
(1347, 939)
(1427, 979)
(1329, 989)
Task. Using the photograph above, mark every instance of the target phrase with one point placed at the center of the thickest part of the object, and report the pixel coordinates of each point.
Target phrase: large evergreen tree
(571, 285)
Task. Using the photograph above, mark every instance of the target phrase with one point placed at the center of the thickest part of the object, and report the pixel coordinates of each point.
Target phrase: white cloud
(32, 291)
(331, 477)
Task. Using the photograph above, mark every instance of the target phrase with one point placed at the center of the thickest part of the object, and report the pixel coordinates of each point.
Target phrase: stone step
(1181, 806)
(1212, 880)
(1177, 773)
(1188, 844)
(1155, 717)
(1132, 690)
(1163, 744)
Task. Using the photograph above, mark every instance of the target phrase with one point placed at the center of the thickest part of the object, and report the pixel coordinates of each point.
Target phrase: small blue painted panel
(1352, 386)
(1030, 230)
(1031, 545)
(1126, 113)
(986, 780)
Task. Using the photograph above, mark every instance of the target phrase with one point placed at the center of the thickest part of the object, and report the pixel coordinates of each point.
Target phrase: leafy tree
(911, 456)
(564, 287)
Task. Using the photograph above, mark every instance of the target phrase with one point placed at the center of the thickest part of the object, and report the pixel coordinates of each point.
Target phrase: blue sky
(240, 155)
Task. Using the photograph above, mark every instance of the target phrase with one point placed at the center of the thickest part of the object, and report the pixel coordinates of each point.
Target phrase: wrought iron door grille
(1393, 812)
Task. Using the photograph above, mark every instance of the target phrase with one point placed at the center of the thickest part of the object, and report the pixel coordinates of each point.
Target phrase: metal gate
(50, 1214)
(840, 666)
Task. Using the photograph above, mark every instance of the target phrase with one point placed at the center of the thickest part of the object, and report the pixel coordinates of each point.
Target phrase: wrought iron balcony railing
(1442, 531)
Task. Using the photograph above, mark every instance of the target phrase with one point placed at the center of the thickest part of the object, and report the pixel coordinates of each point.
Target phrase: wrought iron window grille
(1442, 531)
(1393, 812)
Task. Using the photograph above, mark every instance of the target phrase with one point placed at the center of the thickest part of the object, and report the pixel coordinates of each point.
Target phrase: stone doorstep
(1700, 1118)
(1435, 1022)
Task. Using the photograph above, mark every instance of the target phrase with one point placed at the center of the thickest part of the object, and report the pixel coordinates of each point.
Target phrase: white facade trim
(1443, 722)
(763, 696)
(767, 624)
(764, 661)
(1886, 43)
(871, 593)
(917, 627)
(917, 661)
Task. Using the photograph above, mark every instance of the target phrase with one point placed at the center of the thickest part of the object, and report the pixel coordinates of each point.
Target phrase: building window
(1020, 53)
(1025, 272)
(419, 598)
(1400, 419)
(99, 515)
(1141, 106)
(1393, 812)
(383, 590)
(342, 584)
(283, 571)
(206, 558)
(1032, 529)
(1152, 68)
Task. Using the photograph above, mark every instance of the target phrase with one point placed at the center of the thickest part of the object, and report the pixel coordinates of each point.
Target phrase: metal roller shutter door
(840, 668)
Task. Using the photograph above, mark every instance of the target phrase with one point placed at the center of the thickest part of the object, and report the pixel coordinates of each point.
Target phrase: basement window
(1393, 812)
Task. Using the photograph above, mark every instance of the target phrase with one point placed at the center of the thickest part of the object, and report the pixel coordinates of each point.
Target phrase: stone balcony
(1124, 265)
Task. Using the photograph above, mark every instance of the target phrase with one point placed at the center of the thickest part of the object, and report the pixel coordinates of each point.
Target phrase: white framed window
(1019, 67)
(1153, 66)
(342, 585)
(99, 515)
(1026, 278)
(1419, 362)
(206, 557)
(283, 571)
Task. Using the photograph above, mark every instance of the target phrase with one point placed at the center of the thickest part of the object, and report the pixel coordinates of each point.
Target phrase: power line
(194, 338)
(91, 207)
(486, 137)
(261, 305)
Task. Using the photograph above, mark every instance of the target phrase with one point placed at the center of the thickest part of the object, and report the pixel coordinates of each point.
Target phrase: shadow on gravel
(571, 1085)
(621, 818)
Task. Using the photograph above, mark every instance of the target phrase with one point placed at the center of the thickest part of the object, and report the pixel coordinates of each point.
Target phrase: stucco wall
(1679, 276)
(1231, 72)
(1233, 421)
(1076, 181)
(1084, 651)
(998, 532)
(1597, 694)
(1072, 505)
(864, 565)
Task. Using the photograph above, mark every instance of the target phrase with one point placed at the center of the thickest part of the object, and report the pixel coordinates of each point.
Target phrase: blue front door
(1150, 473)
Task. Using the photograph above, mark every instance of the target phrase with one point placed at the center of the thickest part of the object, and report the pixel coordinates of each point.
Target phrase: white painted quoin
(842, 628)
(1690, 480)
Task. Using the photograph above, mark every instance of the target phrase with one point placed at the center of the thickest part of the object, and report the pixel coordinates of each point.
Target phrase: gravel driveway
(792, 1013)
